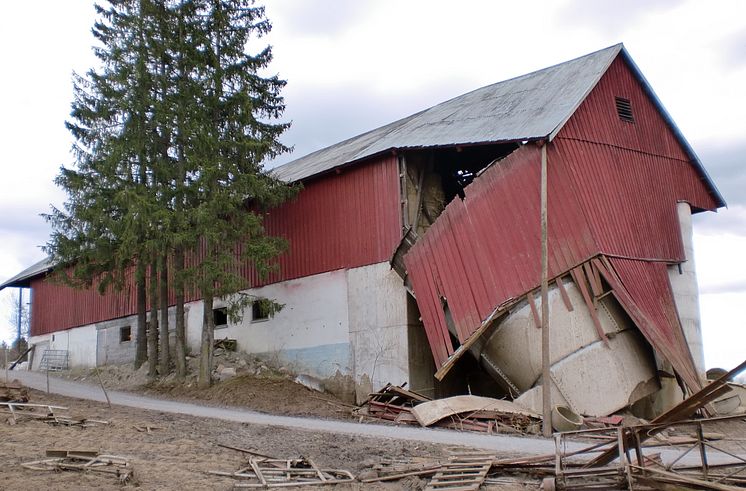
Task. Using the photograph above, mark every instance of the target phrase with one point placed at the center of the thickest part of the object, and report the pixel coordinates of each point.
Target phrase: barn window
(624, 109)
(259, 311)
(220, 316)
(125, 334)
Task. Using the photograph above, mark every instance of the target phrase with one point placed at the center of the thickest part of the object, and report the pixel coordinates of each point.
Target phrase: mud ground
(180, 452)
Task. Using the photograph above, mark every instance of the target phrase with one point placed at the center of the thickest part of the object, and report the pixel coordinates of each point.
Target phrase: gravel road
(502, 443)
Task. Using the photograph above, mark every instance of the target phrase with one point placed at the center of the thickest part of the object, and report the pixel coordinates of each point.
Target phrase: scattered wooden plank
(563, 294)
(395, 477)
(679, 412)
(581, 281)
(463, 472)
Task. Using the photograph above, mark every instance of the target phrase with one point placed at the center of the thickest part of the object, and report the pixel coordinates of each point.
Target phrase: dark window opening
(220, 316)
(459, 166)
(624, 109)
(434, 177)
(125, 334)
(259, 311)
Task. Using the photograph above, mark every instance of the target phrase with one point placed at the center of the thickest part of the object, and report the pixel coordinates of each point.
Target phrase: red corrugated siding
(629, 198)
(338, 221)
(485, 250)
(596, 119)
(613, 189)
(628, 145)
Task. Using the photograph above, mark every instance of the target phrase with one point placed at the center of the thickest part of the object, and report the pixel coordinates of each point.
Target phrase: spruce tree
(106, 228)
(231, 133)
(170, 135)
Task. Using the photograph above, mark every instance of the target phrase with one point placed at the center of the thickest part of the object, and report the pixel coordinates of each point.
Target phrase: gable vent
(624, 109)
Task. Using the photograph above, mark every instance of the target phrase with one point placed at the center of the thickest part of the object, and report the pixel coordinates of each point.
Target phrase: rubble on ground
(13, 392)
(471, 413)
(83, 461)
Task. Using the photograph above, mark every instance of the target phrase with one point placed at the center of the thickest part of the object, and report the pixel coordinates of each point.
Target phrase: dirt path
(500, 443)
(180, 451)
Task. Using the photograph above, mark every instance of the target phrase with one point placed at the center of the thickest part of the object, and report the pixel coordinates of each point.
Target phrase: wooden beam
(461, 350)
(563, 294)
(546, 379)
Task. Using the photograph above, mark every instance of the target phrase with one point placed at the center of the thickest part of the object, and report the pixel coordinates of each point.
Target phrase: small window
(624, 109)
(125, 334)
(220, 316)
(259, 311)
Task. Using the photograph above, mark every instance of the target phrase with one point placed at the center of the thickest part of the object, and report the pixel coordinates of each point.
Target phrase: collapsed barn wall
(614, 186)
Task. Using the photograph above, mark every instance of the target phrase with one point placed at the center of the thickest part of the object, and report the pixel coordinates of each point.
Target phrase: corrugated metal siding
(596, 121)
(56, 307)
(341, 221)
(613, 189)
(629, 198)
(485, 250)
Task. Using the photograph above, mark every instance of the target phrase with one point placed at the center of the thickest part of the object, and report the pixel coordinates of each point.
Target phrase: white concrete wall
(345, 322)
(79, 342)
(310, 332)
(378, 326)
(40, 343)
(348, 323)
(686, 291)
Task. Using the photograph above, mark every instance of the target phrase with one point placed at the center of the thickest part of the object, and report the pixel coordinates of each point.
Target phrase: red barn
(444, 207)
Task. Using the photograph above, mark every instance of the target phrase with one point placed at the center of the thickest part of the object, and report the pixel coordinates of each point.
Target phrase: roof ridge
(518, 108)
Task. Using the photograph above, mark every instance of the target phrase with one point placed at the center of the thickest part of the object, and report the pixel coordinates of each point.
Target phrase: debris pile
(620, 458)
(262, 471)
(83, 461)
(16, 412)
(13, 392)
(471, 413)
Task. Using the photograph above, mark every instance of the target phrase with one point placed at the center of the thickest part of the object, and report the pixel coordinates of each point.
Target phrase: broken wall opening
(434, 177)
(467, 377)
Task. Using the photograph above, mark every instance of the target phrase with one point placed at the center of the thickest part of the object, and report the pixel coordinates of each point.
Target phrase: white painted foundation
(80, 343)
(345, 323)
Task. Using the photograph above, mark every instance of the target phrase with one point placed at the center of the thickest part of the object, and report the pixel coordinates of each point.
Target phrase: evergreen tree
(109, 222)
(225, 138)
(170, 136)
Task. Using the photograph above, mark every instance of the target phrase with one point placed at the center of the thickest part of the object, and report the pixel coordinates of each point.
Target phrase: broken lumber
(83, 461)
(283, 473)
(463, 472)
(681, 411)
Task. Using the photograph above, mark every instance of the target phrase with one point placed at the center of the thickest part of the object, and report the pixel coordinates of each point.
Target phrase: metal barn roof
(528, 107)
(23, 278)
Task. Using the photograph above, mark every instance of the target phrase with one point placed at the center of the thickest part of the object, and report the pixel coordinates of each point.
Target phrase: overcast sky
(352, 66)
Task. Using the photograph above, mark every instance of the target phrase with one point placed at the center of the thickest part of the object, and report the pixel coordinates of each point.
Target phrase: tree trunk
(165, 361)
(208, 336)
(141, 342)
(180, 353)
(153, 326)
